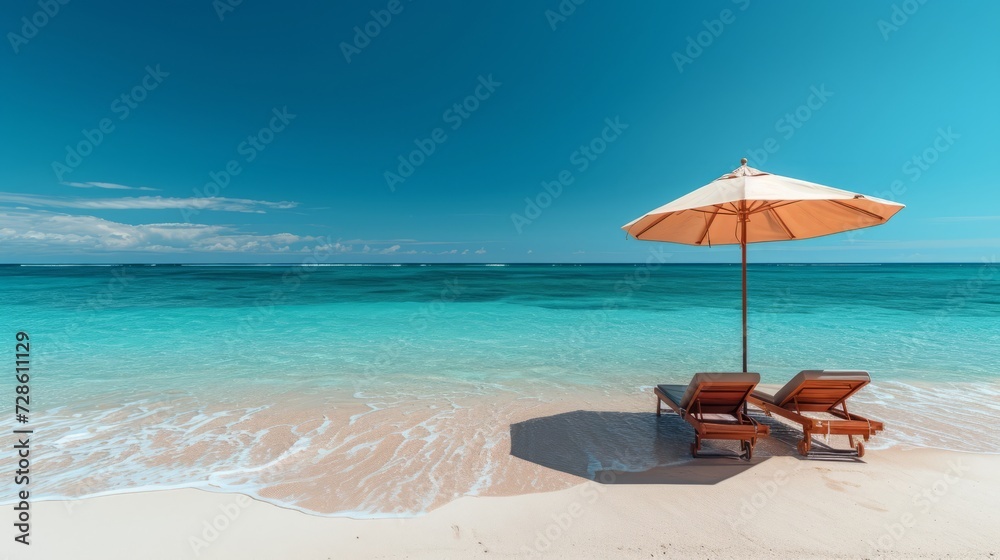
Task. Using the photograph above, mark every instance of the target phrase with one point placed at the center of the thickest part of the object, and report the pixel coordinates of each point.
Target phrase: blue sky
(206, 132)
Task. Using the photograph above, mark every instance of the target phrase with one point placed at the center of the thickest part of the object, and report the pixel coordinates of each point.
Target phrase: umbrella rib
(708, 225)
(773, 205)
(782, 222)
(719, 209)
(856, 209)
(657, 221)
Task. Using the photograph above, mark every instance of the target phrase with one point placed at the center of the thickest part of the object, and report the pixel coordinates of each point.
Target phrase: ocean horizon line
(485, 264)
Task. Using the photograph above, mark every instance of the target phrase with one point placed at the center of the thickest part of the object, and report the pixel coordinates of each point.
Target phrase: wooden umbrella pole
(743, 246)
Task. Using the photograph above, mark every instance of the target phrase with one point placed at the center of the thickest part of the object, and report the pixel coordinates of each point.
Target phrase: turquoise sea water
(99, 329)
(124, 356)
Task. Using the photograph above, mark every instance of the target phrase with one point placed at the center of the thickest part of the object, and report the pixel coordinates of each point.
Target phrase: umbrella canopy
(779, 209)
(751, 206)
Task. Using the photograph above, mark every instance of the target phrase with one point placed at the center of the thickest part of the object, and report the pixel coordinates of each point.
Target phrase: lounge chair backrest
(718, 393)
(820, 390)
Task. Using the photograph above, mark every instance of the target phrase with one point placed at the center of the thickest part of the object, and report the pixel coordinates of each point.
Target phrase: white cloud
(111, 186)
(49, 232)
(146, 203)
(481, 251)
(43, 231)
(336, 247)
(403, 242)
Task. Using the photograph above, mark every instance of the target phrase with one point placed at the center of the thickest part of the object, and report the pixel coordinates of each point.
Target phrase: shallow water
(375, 390)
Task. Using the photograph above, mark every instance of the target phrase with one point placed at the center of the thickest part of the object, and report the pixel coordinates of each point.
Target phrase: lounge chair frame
(742, 427)
(823, 396)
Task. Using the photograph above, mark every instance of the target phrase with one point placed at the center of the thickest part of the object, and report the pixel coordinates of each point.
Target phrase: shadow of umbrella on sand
(618, 448)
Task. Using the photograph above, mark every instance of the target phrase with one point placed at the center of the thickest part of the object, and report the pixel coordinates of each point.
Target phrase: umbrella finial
(743, 161)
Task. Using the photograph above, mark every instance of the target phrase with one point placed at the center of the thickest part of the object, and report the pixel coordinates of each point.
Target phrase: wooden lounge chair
(714, 404)
(823, 391)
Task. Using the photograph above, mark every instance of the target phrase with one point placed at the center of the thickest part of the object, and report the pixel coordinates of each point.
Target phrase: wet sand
(401, 456)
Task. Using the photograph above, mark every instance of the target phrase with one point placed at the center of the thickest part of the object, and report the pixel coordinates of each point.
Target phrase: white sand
(917, 503)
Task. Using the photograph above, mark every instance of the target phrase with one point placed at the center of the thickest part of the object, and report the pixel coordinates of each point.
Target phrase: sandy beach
(894, 503)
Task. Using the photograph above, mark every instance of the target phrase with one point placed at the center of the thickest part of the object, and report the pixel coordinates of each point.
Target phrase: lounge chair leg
(859, 447)
(695, 446)
(659, 407)
(804, 446)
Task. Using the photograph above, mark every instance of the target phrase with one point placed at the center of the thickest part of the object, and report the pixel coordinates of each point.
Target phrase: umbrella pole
(743, 247)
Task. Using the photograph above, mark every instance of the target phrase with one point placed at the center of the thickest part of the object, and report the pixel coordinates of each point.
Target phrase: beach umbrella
(752, 206)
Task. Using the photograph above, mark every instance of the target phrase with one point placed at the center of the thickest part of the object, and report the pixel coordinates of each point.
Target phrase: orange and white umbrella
(751, 206)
